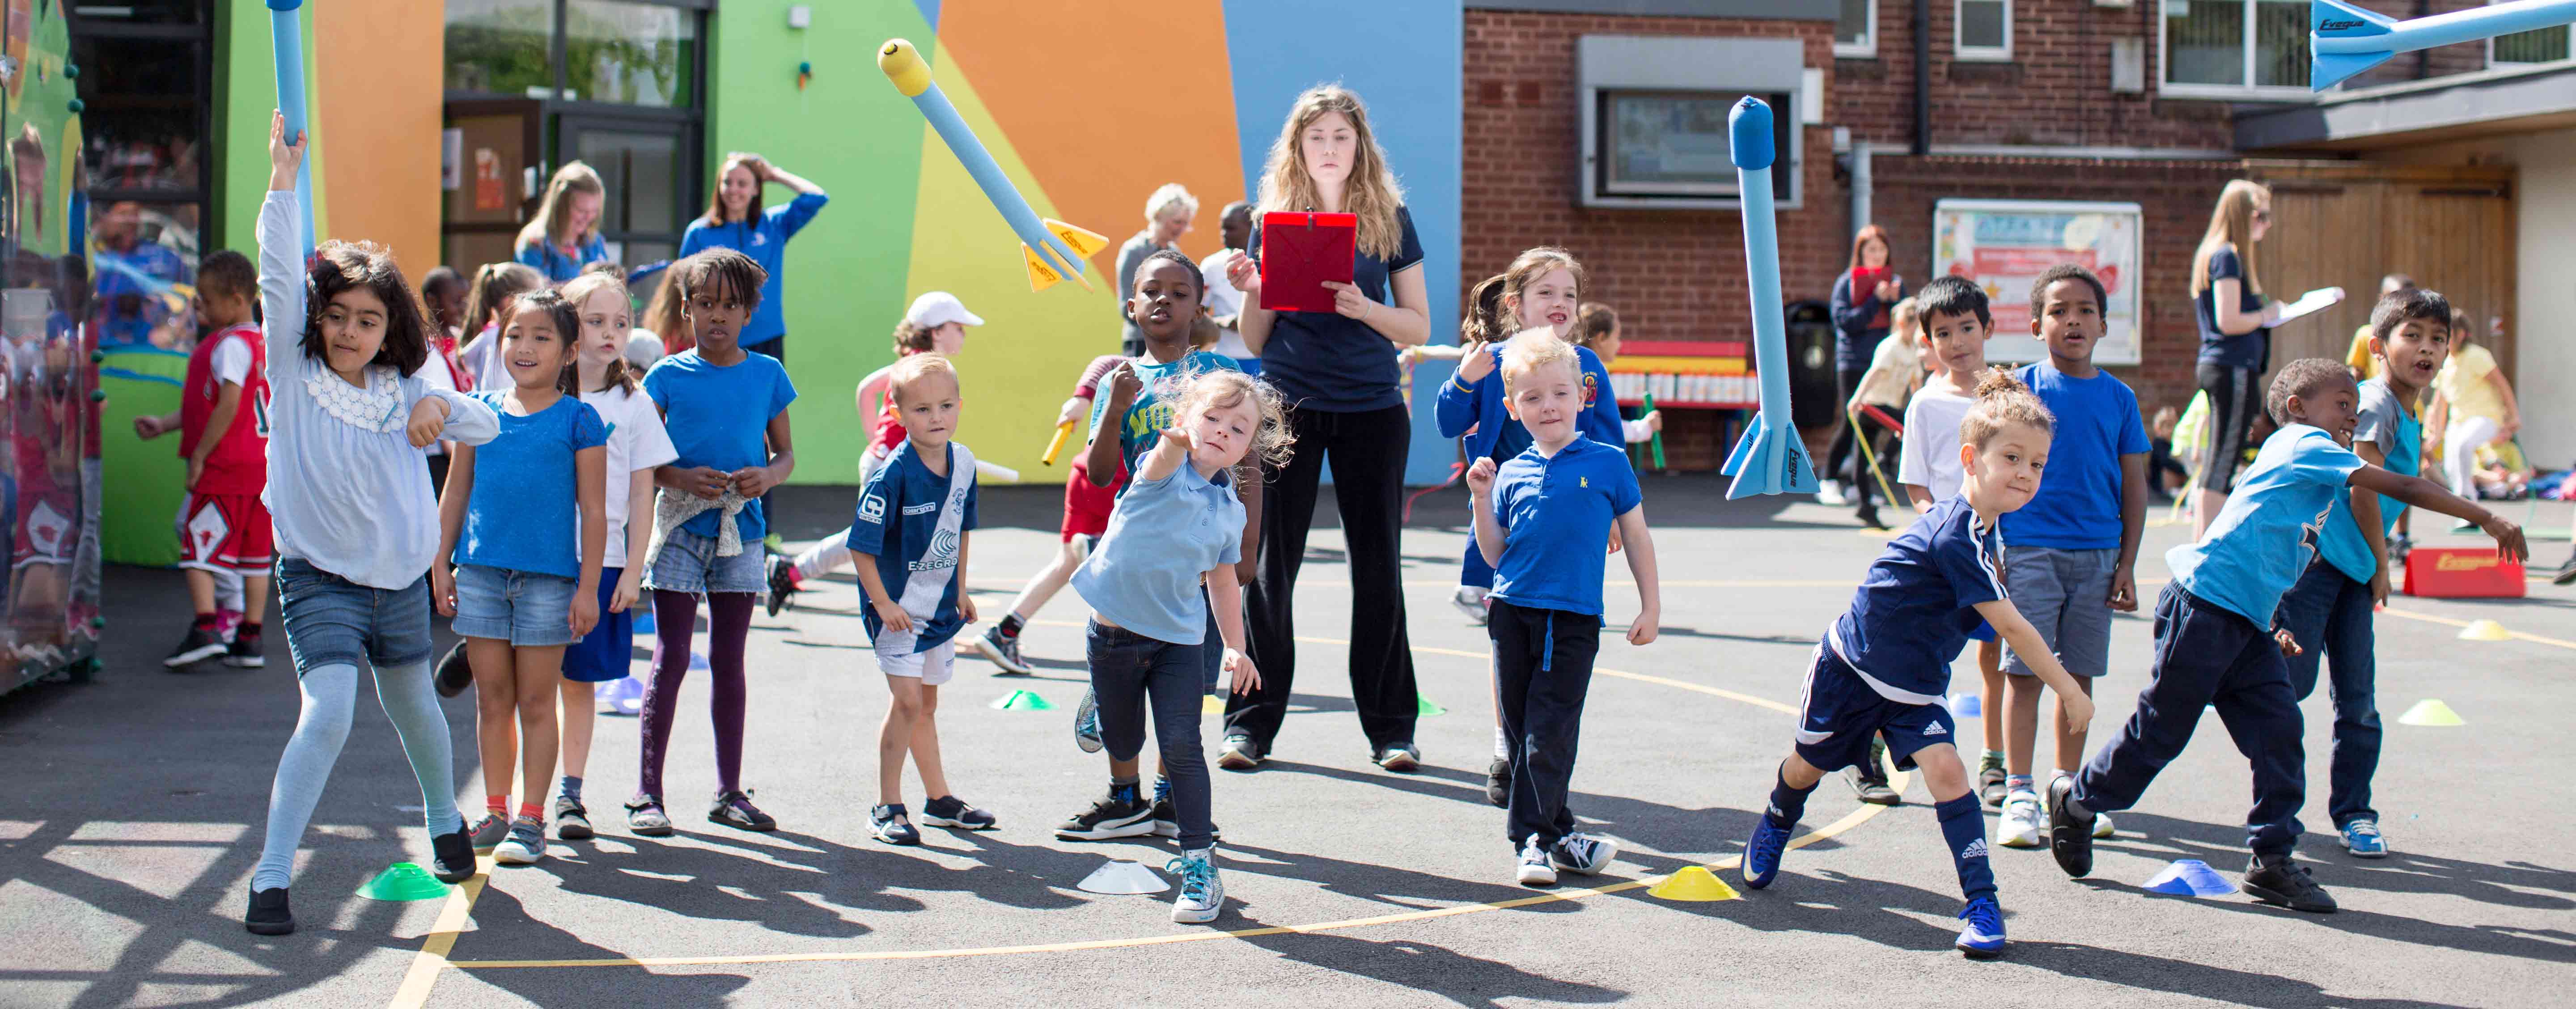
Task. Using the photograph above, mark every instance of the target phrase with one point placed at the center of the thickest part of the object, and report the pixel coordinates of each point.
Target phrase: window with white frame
(2541, 45)
(1983, 30)
(2234, 48)
(1856, 29)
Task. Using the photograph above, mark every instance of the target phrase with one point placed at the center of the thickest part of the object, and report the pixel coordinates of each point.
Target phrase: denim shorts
(526, 609)
(331, 620)
(688, 563)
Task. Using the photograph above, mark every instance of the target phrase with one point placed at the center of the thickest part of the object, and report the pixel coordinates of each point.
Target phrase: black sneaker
(1869, 520)
(1167, 820)
(203, 643)
(734, 809)
(451, 855)
(782, 584)
(1401, 758)
(1110, 818)
(454, 673)
(1869, 781)
(951, 811)
(888, 823)
(1239, 753)
(1003, 649)
(268, 914)
(244, 652)
(2284, 883)
(1991, 781)
(572, 822)
(1498, 782)
(2070, 830)
(2566, 573)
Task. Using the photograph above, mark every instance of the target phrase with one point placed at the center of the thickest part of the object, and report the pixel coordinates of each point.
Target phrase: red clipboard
(1299, 252)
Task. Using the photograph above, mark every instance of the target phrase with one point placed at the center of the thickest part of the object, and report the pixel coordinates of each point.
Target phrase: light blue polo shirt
(1556, 513)
(2262, 540)
(1166, 534)
(2400, 436)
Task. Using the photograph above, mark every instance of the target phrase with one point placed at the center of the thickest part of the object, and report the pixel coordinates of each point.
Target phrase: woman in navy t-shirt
(735, 220)
(1338, 372)
(1861, 300)
(2235, 334)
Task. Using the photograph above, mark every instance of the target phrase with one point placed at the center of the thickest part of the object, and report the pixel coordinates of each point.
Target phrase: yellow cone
(2485, 630)
(1212, 705)
(1694, 883)
(2431, 712)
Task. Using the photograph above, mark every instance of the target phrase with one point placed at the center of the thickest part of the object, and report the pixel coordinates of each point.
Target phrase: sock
(1787, 804)
(1162, 788)
(1502, 745)
(572, 787)
(497, 805)
(1991, 757)
(206, 622)
(1123, 787)
(2019, 783)
(1964, 828)
(532, 811)
(1011, 624)
(246, 629)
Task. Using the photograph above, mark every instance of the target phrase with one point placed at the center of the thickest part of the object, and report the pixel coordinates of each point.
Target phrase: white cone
(1123, 877)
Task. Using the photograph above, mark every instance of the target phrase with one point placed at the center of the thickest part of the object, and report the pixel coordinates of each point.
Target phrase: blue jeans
(1127, 668)
(2330, 615)
(332, 620)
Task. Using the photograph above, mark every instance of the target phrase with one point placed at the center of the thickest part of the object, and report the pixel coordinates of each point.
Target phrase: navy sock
(1964, 830)
(1011, 624)
(1787, 804)
(571, 788)
(1162, 788)
(1123, 788)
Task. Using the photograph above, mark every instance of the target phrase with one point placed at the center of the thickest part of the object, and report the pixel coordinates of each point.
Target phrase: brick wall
(2056, 90)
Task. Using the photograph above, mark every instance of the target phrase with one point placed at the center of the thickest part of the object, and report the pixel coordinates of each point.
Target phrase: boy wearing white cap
(935, 324)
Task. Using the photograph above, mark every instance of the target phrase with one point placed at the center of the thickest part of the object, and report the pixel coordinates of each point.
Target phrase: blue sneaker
(1983, 939)
(1086, 723)
(2361, 838)
(1762, 852)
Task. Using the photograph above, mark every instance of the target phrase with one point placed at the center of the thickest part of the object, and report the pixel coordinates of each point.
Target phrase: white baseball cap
(939, 308)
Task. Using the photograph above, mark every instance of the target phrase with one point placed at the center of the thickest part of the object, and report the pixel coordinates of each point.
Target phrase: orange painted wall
(1093, 112)
(379, 83)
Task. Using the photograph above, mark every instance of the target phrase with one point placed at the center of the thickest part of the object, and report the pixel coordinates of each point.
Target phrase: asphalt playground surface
(133, 808)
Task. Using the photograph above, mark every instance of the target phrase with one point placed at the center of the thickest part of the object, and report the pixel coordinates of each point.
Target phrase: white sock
(1502, 744)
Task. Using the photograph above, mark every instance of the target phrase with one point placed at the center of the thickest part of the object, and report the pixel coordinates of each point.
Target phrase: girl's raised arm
(281, 259)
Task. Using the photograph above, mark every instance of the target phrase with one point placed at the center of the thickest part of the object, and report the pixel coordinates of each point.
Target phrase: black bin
(1811, 365)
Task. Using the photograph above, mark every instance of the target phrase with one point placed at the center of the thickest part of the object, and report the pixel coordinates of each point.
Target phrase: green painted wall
(245, 94)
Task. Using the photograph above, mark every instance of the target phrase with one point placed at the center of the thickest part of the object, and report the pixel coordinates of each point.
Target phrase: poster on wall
(2003, 245)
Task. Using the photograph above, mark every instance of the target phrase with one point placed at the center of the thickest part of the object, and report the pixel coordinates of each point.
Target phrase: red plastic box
(2462, 573)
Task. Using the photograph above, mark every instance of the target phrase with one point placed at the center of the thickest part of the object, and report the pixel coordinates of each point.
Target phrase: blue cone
(644, 620)
(623, 697)
(1966, 706)
(2190, 877)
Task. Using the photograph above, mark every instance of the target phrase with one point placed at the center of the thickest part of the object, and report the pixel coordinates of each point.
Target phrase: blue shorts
(688, 563)
(331, 620)
(1984, 632)
(1840, 713)
(526, 609)
(608, 652)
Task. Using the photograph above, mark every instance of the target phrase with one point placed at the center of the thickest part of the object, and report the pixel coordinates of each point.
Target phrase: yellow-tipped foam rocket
(1051, 249)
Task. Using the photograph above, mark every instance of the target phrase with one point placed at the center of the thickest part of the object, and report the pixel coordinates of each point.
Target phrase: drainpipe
(1860, 209)
(1922, 77)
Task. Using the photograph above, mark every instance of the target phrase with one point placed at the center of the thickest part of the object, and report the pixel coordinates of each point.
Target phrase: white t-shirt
(1891, 373)
(231, 362)
(432, 373)
(636, 440)
(1223, 300)
(1931, 454)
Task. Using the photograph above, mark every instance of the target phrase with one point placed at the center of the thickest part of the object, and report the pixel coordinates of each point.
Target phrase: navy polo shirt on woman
(1330, 362)
(1556, 513)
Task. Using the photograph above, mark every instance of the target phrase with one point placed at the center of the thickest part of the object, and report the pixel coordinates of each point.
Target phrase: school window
(2543, 45)
(1856, 30)
(1984, 30)
(146, 70)
(2234, 48)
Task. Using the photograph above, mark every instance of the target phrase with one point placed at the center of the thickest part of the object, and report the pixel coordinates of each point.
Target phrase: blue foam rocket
(1051, 249)
(286, 39)
(2345, 40)
(1771, 459)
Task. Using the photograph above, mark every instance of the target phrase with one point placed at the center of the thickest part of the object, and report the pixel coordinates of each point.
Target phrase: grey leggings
(1127, 669)
(330, 698)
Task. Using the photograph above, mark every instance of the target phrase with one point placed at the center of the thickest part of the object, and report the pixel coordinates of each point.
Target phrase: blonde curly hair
(1272, 441)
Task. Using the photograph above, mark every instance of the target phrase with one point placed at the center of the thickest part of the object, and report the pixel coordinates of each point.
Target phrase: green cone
(403, 881)
(1023, 700)
(1423, 706)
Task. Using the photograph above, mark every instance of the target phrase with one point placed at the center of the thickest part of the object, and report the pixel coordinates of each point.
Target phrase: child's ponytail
(494, 285)
(2003, 401)
(1484, 322)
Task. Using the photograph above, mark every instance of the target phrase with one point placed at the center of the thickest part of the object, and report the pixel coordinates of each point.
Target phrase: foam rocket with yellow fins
(1052, 249)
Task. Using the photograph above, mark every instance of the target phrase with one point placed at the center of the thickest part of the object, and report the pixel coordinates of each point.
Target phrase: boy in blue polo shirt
(1884, 668)
(1543, 521)
(2075, 545)
(910, 538)
(2330, 607)
(2218, 644)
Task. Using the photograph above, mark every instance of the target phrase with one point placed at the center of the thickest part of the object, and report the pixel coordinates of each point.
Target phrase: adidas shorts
(1840, 714)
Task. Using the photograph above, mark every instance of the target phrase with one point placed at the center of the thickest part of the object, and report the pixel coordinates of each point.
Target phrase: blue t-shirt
(913, 522)
(1462, 409)
(2400, 436)
(1150, 414)
(719, 417)
(1330, 362)
(2078, 504)
(525, 511)
(1915, 607)
(2248, 350)
(2261, 542)
(1556, 512)
(1165, 535)
(558, 268)
(763, 237)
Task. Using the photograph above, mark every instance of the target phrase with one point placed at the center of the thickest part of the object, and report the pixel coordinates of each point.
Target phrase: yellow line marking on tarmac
(425, 965)
(2455, 622)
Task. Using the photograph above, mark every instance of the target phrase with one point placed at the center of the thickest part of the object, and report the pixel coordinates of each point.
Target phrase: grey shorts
(688, 563)
(2066, 594)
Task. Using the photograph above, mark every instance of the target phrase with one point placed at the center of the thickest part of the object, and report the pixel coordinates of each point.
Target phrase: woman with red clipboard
(1334, 360)
(1861, 299)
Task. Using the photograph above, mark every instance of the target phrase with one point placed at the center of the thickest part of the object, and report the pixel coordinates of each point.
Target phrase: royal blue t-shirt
(2247, 350)
(525, 511)
(558, 268)
(1149, 414)
(1556, 512)
(719, 418)
(763, 237)
(1328, 361)
(913, 522)
(1915, 607)
(2400, 436)
(2261, 541)
(2078, 504)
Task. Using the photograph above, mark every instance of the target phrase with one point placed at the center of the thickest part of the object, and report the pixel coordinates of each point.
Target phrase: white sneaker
(1470, 600)
(1583, 854)
(1202, 893)
(2021, 820)
(1536, 869)
(1830, 492)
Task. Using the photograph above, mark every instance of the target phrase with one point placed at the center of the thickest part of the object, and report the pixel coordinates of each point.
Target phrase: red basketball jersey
(239, 463)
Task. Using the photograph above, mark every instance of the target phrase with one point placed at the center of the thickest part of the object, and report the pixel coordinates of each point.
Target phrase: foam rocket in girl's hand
(1771, 459)
(286, 38)
(1051, 249)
